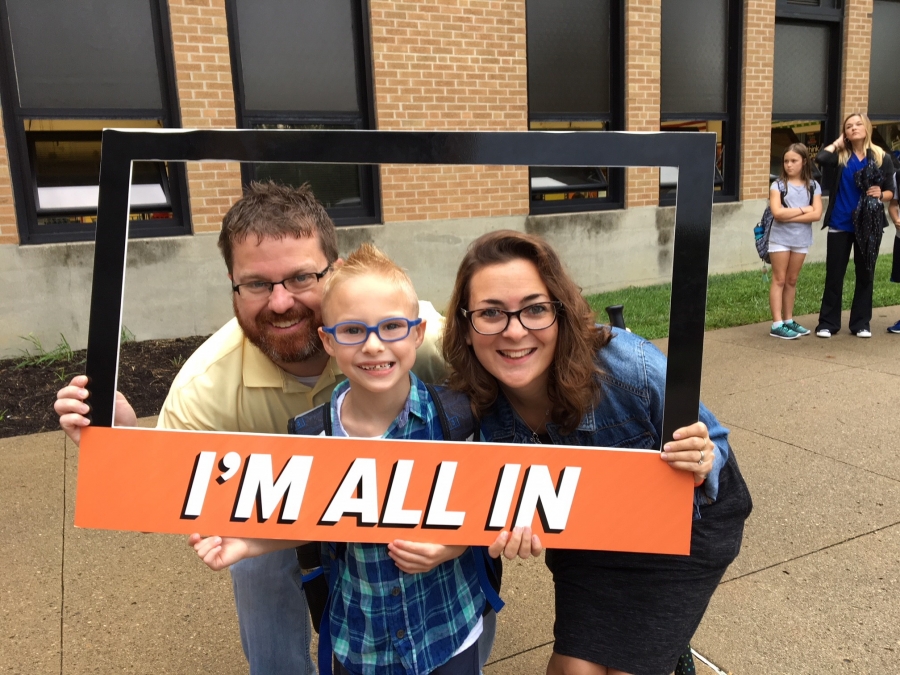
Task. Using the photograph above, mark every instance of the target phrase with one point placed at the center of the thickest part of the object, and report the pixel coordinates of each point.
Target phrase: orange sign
(342, 489)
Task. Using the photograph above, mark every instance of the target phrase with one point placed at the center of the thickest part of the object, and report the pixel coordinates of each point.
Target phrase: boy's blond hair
(369, 259)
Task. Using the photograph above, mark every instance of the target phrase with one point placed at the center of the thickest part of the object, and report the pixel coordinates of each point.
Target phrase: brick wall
(206, 96)
(9, 234)
(857, 48)
(642, 45)
(756, 97)
(450, 65)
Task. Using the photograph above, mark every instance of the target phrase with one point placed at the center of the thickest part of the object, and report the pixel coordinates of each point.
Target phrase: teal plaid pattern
(383, 620)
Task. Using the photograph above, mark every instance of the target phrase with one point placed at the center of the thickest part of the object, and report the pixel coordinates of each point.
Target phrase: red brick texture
(206, 96)
(642, 47)
(856, 53)
(9, 234)
(450, 65)
(756, 97)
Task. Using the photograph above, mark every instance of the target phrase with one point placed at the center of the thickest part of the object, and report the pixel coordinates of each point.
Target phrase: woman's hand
(520, 542)
(839, 143)
(875, 191)
(414, 557)
(692, 450)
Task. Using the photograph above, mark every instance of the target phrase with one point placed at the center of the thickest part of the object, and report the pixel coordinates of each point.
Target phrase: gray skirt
(637, 612)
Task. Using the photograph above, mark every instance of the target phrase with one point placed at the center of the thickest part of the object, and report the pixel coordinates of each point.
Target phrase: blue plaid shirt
(384, 620)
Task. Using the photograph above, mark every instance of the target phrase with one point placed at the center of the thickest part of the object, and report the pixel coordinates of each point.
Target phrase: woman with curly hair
(522, 343)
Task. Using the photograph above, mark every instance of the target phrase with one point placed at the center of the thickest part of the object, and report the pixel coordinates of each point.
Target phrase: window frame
(369, 212)
(615, 195)
(22, 172)
(731, 119)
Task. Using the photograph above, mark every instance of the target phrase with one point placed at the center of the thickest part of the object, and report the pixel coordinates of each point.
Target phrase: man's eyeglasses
(356, 332)
(492, 321)
(298, 283)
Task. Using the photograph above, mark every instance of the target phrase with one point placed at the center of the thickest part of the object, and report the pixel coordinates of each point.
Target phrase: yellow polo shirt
(230, 385)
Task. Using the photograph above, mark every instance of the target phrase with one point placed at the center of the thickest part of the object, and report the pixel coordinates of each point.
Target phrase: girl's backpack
(764, 226)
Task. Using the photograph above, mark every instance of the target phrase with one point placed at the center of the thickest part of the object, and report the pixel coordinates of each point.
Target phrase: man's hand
(221, 552)
(71, 407)
(520, 542)
(414, 557)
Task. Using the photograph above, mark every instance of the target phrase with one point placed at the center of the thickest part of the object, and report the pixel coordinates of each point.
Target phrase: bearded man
(255, 373)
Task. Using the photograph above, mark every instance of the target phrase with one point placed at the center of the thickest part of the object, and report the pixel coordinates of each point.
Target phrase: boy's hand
(520, 542)
(414, 557)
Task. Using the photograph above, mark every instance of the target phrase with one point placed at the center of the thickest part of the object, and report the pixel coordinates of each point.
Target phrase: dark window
(70, 69)
(575, 75)
(305, 65)
(700, 82)
(806, 83)
(801, 69)
(884, 88)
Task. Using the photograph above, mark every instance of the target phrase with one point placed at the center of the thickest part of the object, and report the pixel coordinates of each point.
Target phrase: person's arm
(894, 212)
(221, 552)
(706, 435)
(811, 213)
(71, 407)
(828, 156)
(782, 213)
(885, 191)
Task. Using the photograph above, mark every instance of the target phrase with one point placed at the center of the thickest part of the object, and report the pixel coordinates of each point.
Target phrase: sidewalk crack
(812, 452)
(810, 553)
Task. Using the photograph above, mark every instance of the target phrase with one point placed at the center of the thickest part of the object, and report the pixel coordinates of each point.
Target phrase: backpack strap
(325, 646)
(454, 412)
(782, 188)
(489, 572)
(315, 422)
(812, 192)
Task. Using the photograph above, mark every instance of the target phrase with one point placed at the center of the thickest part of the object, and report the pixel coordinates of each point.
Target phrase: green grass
(737, 299)
(37, 355)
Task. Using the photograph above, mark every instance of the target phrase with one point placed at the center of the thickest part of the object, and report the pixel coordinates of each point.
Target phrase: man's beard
(294, 348)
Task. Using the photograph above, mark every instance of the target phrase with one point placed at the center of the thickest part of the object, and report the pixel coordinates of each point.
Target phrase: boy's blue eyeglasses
(356, 332)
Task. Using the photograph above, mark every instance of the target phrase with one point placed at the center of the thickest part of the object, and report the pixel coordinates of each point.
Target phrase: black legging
(836, 260)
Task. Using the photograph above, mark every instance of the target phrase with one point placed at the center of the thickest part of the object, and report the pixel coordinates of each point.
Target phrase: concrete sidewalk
(816, 588)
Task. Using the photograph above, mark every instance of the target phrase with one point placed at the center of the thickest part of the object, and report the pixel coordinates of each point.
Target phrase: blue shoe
(796, 327)
(895, 328)
(783, 332)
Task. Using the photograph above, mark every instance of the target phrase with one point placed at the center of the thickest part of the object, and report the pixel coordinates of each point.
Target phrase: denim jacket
(629, 414)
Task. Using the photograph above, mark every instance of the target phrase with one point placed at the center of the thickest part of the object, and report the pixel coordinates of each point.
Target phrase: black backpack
(458, 423)
(764, 226)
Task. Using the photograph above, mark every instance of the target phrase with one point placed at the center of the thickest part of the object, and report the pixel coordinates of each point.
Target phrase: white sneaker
(864, 333)
(823, 333)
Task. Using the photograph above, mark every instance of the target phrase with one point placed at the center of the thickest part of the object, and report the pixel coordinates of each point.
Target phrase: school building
(760, 74)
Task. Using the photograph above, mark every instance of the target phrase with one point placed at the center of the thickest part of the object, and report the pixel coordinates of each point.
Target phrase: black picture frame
(692, 153)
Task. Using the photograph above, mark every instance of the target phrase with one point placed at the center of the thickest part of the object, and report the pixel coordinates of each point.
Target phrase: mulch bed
(146, 371)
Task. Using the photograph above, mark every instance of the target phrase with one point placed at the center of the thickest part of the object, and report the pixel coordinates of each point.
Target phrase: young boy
(406, 607)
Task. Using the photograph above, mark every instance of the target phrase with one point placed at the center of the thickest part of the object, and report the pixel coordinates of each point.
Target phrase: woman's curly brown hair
(573, 387)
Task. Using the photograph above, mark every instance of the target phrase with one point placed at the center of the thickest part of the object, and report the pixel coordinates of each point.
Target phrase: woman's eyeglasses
(491, 321)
